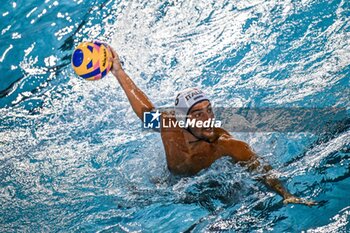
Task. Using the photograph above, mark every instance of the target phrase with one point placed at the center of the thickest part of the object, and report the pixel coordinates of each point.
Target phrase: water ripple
(73, 156)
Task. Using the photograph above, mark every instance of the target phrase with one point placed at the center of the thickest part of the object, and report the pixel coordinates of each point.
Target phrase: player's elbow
(245, 152)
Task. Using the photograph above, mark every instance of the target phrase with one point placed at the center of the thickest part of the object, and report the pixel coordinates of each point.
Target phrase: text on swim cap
(194, 93)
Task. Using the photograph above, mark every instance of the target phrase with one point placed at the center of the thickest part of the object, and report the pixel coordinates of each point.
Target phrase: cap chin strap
(199, 139)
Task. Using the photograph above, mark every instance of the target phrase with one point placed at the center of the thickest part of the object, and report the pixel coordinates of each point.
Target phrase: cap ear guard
(187, 99)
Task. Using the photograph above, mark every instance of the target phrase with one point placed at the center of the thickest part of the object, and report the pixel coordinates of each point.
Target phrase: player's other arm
(241, 151)
(138, 100)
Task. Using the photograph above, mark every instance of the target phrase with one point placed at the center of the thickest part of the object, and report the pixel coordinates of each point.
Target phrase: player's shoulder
(228, 139)
(222, 133)
(238, 149)
(169, 123)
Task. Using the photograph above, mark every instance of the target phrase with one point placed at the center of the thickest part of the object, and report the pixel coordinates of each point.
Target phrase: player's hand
(116, 67)
(297, 200)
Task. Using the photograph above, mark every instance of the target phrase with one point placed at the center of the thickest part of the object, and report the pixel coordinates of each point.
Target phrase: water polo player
(189, 150)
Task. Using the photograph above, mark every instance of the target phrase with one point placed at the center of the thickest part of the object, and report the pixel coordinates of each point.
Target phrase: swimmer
(189, 150)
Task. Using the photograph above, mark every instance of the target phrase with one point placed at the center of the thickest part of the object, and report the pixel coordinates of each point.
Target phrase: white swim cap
(185, 100)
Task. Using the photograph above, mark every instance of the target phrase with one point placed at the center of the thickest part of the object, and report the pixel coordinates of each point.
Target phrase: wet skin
(188, 153)
(190, 150)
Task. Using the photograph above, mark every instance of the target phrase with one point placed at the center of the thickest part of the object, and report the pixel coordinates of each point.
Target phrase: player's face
(202, 112)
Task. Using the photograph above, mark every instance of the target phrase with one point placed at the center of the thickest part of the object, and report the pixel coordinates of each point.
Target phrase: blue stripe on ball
(78, 57)
(104, 72)
(90, 48)
(91, 74)
(89, 65)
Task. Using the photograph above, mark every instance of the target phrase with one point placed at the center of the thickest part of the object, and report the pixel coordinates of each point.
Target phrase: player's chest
(204, 152)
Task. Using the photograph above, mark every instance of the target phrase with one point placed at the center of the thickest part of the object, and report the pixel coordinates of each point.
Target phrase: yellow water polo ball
(90, 60)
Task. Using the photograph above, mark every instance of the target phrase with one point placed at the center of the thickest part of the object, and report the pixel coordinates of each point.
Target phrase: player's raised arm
(138, 100)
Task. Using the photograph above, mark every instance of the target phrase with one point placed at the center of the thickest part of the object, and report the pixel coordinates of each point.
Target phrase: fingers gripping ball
(90, 60)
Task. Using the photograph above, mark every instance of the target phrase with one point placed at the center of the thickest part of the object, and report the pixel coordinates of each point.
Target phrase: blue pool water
(73, 157)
